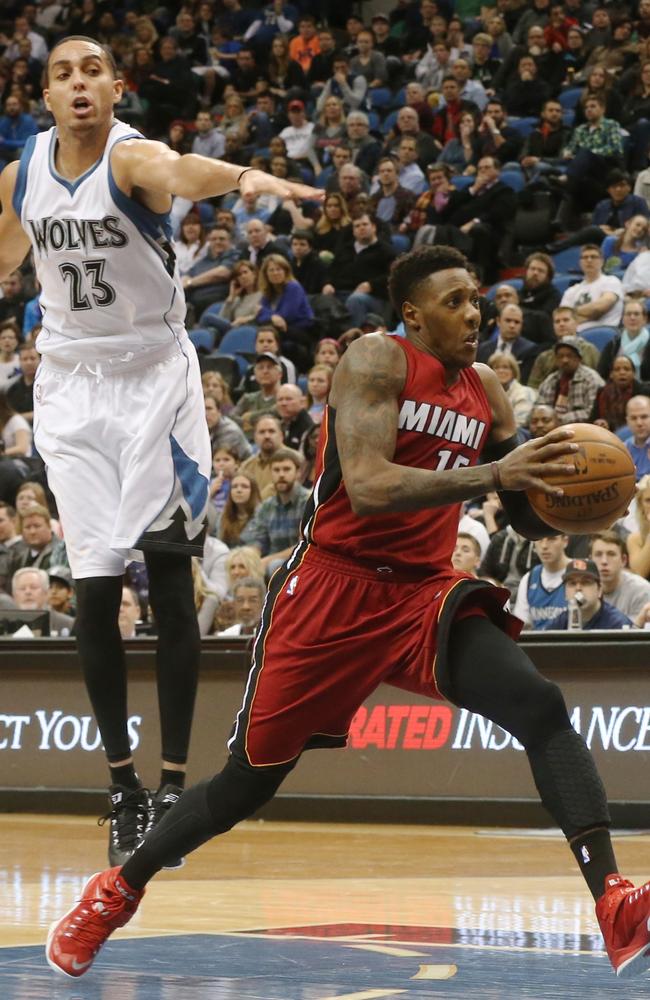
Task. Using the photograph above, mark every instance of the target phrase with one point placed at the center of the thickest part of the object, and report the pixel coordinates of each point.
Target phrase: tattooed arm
(365, 395)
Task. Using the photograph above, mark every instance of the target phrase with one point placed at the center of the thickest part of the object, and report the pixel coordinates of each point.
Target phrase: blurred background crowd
(518, 132)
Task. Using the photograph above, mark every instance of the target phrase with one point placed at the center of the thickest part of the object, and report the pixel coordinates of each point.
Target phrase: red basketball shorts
(331, 632)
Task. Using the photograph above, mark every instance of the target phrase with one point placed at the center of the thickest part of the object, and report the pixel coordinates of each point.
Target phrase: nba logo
(293, 583)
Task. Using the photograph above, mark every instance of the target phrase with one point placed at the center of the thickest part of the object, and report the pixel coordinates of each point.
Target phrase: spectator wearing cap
(298, 136)
(564, 325)
(598, 299)
(582, 585)
(344, 84)
(268, 374)
(61, 589)
(572, 389)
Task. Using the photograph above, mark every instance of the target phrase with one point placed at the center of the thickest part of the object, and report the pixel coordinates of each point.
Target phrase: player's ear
(411, 314)
(46, 99)
(118, 90)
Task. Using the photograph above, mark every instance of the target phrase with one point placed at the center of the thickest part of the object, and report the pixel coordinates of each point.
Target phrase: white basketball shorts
(127, 452)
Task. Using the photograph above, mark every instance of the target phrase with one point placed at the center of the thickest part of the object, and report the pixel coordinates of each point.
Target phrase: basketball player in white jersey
(118, 406)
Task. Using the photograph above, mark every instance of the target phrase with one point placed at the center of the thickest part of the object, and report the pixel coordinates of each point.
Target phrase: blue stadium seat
(515, 282)
(599, 335)
(514, 179)
(523, 126)
(374, 121)
(206, 212)
(569, 98)
(567, 260)
(389, 121)
(568, 117)
(401, 242)
(564, 281)
(461, 182)
(380, 97)
(239, 341)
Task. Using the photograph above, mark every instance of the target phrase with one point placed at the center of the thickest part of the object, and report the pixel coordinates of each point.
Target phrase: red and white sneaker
(107, 902)
(624, 916)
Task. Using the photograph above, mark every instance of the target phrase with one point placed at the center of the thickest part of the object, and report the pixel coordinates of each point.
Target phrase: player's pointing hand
(259, 182)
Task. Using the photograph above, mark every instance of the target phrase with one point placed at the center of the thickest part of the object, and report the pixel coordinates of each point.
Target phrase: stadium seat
(564, 281)
(461, 182)
(567, 260)
(599, 335)
(514, 179)
(239, 341)
(389, 121)
(568, 117)
(401, 243)
(374, 121)
(523, 126)
(226, 364)
(380, 97)
(515, 282)
(569, 98)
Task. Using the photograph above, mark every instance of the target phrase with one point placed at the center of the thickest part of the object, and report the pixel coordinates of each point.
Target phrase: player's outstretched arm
(14, 244)
(152, 166)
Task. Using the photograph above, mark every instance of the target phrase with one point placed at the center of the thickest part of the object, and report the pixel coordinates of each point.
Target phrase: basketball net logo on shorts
(38, 392)
(293, 583)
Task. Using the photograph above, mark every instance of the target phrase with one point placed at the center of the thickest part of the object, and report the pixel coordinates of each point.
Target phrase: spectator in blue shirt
(285, 305)
(208, 280)
(15, 129)
(637, 417)
(582, 584)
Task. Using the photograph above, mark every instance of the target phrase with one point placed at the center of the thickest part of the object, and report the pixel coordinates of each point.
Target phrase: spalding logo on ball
(597, 493)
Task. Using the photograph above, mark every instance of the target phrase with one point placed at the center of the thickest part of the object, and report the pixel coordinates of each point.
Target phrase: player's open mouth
(473, 340)
(82, 106)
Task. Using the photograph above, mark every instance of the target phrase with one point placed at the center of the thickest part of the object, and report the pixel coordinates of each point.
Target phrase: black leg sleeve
(102, 659)
(202, 812)
(178, 649)
(491, 675)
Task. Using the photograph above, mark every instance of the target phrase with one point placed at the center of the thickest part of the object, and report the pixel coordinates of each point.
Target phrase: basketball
(597, 493)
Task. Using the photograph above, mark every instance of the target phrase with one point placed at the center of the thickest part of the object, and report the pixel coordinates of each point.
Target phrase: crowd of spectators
(518, 132)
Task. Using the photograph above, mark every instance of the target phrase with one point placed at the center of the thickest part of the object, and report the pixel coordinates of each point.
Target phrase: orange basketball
(597, 493)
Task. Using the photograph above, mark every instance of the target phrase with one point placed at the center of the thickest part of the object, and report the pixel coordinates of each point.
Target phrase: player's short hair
(414, 267)
(287, 455)
(110, 58)
(610, 538)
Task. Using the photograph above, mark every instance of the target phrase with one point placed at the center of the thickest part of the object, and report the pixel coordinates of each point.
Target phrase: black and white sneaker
(159, 806)
(128, 816)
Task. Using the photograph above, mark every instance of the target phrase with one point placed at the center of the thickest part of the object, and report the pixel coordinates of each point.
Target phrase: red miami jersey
(439, 427)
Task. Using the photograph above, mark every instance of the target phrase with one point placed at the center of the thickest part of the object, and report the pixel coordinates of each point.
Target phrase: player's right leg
(491, 675)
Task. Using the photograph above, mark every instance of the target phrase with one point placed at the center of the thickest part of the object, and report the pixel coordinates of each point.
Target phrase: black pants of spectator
(171, 595)
(298, 344)
(11, 476)
(480, 245)
(586, 181)
(588, 234)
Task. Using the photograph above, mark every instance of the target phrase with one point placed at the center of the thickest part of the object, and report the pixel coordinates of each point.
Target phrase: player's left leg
(489, 674)
(178, 649)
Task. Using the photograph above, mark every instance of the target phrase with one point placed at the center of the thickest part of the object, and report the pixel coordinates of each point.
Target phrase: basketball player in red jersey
(370, 595)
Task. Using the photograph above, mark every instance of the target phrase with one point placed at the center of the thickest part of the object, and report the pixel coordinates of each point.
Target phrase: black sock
(595, 856)
(125, 775)
(168, 777)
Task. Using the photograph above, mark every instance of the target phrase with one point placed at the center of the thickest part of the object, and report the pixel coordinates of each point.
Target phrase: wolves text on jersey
(77, 234)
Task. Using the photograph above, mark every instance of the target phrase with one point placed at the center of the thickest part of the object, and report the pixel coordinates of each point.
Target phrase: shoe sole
(173, 866)
(52, 964)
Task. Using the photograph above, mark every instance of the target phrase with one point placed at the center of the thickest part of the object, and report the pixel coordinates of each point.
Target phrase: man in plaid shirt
(275, 527)
(572, 389)
(594, 149)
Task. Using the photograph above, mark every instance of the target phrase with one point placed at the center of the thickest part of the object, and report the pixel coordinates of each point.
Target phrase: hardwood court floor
(320, 912)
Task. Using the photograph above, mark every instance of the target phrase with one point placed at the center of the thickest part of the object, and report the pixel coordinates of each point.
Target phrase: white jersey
(104, 261)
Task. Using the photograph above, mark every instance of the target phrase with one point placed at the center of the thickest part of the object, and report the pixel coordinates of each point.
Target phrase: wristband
(496, 475)
(242, 173)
